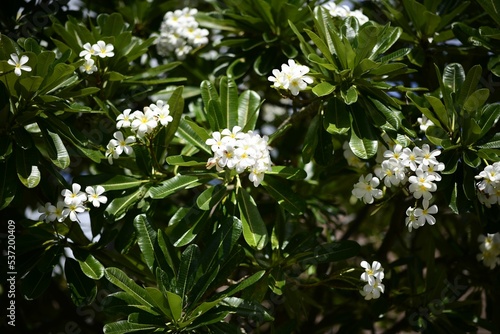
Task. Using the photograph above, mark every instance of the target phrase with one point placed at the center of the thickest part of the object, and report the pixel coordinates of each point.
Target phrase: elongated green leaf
(173, 185)
(439, 110)
(90, 266)
(160, 301)
(492, 8)
(121, 280)
(247, 308)
(176, 107)
(248, 110)
(453, 77)
(124, 327)
(189, 132)
(187, 271)
(82, 289)
(119, 206)
(476, 100)
(210, 197)
(362, 147)
(233, 289)
(175, 303)
(27, 169)
(470, 84)
(290, 173)
(146, 238)
(185, 225)
(284, 195)
(182, 160)
(323, 89)
(57, 151)
(254, 228)
(229, 101)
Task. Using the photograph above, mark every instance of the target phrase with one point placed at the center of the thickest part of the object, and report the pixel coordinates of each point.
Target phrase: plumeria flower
(111, 152)
(124, 120)
(411, 158)
(216, 142)
(490, 241)
(46, 212)
(88, 67)
(424, 123)
(411, 220)
(372, 272)
(103, 50)
(74, 195)
(424, 214)
(427, 157)
(19, 63)
(95, 195)
(395, 153)
(162, 112)
(366, 189)
(72, 209)
(144, 122)
(121, 144)
(373, 291)
(88, 51)
(422, 184)
(391, 171)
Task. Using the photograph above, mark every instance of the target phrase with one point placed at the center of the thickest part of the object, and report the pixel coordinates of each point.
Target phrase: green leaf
(185, 161)
(185, 225)
(120, 205)
(470, 83)
(211, 196)
(27, 169)
(438, 136)
(284, 195)
(254, 228)
(453, 77)
(363, 148)
(248, 110)
(187, 270)
(146, 239)
(176, 107)
(290, 173)
(491, 7)
(62, 159)
(323, 89)
(229, 102)
(311, 139)
(476, 100)
(82, 289)
(160, 301)
(121, 280)
(173, 185)
(124, 327)
(247, 308)
(8, 184)
(89, 265)
(175, 303)
(194, 134)
(439, 110)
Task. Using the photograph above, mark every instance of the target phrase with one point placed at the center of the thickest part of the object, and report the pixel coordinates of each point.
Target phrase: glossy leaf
(210, 197)
(248, 110)
(284, 195)
(173, 185)
(146, 238)
(121, 280)
(82, 288)
(124, 327)
(254, 228)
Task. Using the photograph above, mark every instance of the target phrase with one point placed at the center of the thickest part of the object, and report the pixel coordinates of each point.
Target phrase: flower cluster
(373, 276)
(292, 77)
(100, 49)
(488, 188)
(140, 124)
(417, 167)
(344, 11)
(490, 250)
(179, 33)
(240, 151)
(74, 202)
(19, 63)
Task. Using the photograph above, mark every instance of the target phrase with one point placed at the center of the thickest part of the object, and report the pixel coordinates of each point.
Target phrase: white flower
(424, 214)
(103, 50)
(391, 171)
(373, 291)
(427, 157)
(424, 123)
(490, 176)
(72, 209)
(216, 142)
(19, 63)
(46, 212)
(279, 80)
(121, 144)
(111, 152)
(124, 120)
(490, 241)
(144, 122)
(411, 220)
(95, 195)
(74, 195)
(292, 77)
(396, 153)
(373, 272)
(422, 184)
(88, 67)
(88, 51)
(162, 112)
(411, 158)
(366, 189)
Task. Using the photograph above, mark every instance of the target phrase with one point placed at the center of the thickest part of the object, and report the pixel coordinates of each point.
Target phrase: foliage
(186, 226)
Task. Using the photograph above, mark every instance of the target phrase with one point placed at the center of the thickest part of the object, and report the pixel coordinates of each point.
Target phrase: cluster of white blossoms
(19, 63)
(490, 250)
(99, 49)
(488, 188)
(344, 11)
(240, 151)
(292, 77)
(140, 123)
(179, 33)
(74, 202)
(417, 167)
(373, 276)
